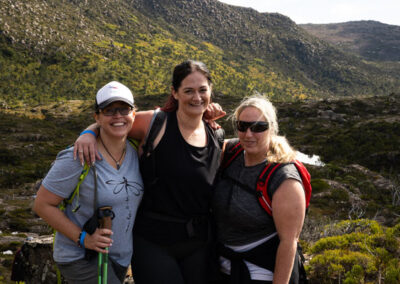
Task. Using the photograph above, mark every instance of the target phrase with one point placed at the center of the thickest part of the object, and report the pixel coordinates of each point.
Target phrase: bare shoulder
(141, 124)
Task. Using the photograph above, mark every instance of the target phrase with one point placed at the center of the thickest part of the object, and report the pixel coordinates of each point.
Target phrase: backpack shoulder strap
(75, 193)
(134, 143)
(220, 135)
(156, 124)
(262, 185)
(232, 150)
(73, 196)
(267, 173)
(306, 179)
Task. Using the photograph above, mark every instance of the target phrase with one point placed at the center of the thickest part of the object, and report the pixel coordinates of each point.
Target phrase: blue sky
(328, 11)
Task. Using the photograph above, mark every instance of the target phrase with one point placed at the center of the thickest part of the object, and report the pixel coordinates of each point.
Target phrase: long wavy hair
(279, 149)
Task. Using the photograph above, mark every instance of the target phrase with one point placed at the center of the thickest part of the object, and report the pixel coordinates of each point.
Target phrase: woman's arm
(46, 206)
(289, 208)
(85, 147)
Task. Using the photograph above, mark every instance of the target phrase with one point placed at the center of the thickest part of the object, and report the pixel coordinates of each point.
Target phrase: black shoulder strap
(220, 135)
(155, 127)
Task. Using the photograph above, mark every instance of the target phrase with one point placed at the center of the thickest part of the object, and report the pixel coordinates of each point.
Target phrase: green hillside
(357, 139)
(54, 50)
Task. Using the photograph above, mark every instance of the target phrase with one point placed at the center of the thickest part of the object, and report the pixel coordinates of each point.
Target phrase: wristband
(89, 131)
(81, 239)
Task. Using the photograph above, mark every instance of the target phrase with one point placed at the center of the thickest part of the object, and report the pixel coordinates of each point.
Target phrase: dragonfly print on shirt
(130, 187)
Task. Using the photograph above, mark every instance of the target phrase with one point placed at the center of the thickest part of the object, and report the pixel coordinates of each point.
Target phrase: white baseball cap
(113, 92)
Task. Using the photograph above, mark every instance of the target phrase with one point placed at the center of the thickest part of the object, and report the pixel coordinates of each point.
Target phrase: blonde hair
(279, 149)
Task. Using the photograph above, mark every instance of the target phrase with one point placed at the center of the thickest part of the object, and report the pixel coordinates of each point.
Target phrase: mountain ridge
(372, 40)
(67, 49)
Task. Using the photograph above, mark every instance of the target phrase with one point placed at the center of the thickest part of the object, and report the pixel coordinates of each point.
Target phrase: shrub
(339, 194)
(319, 185)
(358, 251)
(333, 264)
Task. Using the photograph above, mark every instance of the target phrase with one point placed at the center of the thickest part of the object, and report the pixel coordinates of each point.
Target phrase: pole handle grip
(106, 216)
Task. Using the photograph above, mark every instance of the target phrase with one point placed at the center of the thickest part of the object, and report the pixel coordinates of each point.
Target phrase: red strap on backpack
(266, 174)
(231, 154)
(306, 179)
(262, 185)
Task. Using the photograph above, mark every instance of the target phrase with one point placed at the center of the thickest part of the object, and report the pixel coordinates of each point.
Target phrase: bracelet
(89, 131)
(81, 239)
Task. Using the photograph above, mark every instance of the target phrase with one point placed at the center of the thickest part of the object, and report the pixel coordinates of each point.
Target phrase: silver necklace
(117, 162)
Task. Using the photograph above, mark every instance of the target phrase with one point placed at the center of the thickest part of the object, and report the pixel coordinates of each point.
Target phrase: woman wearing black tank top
(172, 230)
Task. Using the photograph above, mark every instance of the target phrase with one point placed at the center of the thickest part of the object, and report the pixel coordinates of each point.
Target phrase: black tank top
(178, 180)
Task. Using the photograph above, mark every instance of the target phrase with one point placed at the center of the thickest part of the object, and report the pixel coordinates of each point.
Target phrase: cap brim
(115, 99)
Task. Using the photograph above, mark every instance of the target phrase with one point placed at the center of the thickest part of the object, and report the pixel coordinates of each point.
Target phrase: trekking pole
(105, 216)
(99, 268)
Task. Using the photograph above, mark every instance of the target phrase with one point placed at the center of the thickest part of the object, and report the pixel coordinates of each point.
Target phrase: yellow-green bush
(359, 251)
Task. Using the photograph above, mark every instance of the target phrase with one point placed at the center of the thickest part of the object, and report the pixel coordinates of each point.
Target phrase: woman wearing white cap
(172, 231)
(118, 185)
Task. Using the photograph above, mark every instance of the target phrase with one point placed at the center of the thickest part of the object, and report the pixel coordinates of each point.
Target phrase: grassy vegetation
(358, 251)
(41, 63)
(346, 188)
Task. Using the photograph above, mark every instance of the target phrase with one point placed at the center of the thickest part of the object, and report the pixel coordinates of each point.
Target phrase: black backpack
(157, 123)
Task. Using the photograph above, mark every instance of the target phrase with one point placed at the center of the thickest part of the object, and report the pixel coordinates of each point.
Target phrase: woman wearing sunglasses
(242, 223)
(115, 182)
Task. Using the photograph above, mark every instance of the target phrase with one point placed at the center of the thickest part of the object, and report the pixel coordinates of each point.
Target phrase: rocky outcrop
(34, 263)
(331, 115)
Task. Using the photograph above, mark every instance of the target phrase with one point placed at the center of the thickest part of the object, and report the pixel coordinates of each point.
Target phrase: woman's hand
(85, 148)
(213, 112)
(99, 240)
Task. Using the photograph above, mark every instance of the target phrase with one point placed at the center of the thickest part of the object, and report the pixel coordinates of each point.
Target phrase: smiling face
(254, 143)
(116, 125)
(193, 94)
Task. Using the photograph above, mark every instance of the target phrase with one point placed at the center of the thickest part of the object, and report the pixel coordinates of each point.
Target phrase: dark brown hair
(181, 71)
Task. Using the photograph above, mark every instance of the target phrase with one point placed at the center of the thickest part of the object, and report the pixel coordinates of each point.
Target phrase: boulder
(34, 262)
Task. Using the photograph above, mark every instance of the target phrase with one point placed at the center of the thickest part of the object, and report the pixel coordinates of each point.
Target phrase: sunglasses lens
(242, 125)
(255, 126)
(259, 126)
(124, 110)
(108, 111)
(113, 111)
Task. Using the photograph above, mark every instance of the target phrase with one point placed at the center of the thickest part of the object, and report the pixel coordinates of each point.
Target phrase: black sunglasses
(255, 126)
(112, 111)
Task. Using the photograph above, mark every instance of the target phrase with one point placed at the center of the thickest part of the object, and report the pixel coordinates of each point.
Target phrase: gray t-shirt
(239, 216)
(122, 189)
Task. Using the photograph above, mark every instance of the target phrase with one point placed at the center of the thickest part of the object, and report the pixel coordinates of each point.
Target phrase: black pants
(155, 264)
